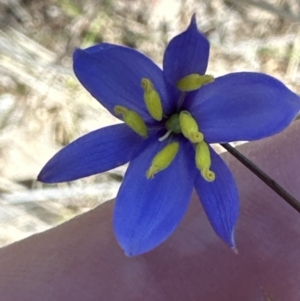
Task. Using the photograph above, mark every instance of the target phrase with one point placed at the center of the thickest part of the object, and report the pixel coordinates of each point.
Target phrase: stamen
(163, 159)
(152, 100)
(193, 82)
(181, 100)
(208, 175)
(133, 120)
(203, 161)
(165, 136)
(189, 127)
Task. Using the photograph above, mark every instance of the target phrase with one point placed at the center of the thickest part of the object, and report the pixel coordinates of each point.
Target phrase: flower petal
(220, 199)
(93, 153)
(113, 74)
(148, 211)
(186, 53)
(243, 106)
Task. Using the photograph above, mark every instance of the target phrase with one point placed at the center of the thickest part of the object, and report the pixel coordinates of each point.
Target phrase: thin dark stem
(264, 177)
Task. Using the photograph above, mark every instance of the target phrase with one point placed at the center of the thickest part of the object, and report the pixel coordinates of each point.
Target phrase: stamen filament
(181, 100)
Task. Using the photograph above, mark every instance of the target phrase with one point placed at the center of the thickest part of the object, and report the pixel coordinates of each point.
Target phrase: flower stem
(291, 200)
(181, 100)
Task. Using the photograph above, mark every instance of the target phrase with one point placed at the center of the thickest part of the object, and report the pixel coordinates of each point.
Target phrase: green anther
(173, 125)
(133, 120)
(189, 127)
(193, 82)
(163, 159)
(203, 161)
(152, 100)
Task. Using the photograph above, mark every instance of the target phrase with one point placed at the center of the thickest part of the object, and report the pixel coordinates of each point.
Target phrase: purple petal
(186, 53)
(220, 199)
(93, 153)
(148, 211)
(243, 106)
(113, 74)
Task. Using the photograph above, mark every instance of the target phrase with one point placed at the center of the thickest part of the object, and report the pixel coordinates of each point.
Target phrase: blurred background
(43, 107)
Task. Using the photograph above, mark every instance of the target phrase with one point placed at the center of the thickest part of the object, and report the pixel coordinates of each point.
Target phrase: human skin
(81, 260)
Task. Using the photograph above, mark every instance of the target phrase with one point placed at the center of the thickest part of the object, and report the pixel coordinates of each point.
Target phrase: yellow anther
(208, 175)
(152, 100)
(133, 120)
(193, 82)
(189, 127)
(203, 161)
(163, 159)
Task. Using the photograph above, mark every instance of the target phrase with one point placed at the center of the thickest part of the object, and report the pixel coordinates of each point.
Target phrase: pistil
(165, 136)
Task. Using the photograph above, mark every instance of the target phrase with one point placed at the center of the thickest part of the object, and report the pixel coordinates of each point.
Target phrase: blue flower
(170, 118)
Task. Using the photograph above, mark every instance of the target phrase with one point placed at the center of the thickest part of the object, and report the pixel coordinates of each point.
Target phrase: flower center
(179, 123)
(184, 123)
(173, 124)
